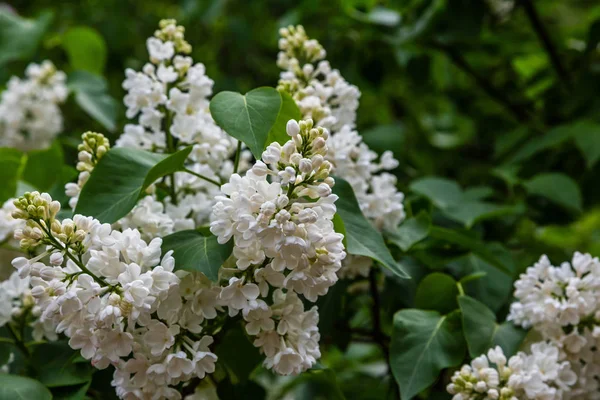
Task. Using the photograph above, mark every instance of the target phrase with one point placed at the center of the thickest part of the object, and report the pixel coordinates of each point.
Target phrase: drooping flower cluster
(169, 98)
(30, 116)
(324, 95)
(280, 218)
(562, 303)
(116, 300)
(539, 375)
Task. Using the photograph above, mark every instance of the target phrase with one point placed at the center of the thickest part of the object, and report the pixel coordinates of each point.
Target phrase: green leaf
(20, 37)
(377, 16)
(197, 253)
(361, 237)
(472, 244)
(288, 110)
(12, 162)
(470, 212)
(483, 333)
(551, 139)
(386, 137)
(44, 167)
(248, 117)
(86, 49)
(423, 343)
(121, 177)
(587, 139)
(55, 365)
(238, 355)
(91, 94)
(558, 188)
(77, 392)
(411, 231)
(437, 291)
(15, 387)
(339, 227)
(443, 193)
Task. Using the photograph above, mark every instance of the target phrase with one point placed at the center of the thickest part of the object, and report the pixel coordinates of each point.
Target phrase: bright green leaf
(362, 238)
(437, 291)
(424, 343)
(288, 110)
(558, 188)
(91, 94)
(20, 37)
(121, 177)
(197, 253)
(86, 49)
(12, 162)
(248, 117)
(411, 231)
(15, 387)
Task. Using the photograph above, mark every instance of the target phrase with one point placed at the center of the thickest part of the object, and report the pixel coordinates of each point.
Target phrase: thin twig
(207, 179)
(544, 37)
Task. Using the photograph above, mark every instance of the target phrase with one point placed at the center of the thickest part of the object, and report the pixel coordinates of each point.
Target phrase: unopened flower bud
(292, 128)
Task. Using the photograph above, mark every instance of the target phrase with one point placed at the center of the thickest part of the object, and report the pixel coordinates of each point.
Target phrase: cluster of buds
(297, 49)
(171, 32)
(39, 211)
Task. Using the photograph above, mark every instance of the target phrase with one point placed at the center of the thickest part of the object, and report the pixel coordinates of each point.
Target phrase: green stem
(461, 290)
(170, 149)
(65, 249)
(207, 179)
(6, 340)
(236, 163)
(18, 341)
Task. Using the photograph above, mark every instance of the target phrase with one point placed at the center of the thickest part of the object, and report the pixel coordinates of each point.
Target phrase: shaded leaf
(20, 37)
(195, 252)
(238, 354)
(44, 167)
(15, 387)
(558, 188)
(55, 366)
(437, 291)
(121, 177)
(361, 237)
(12, 162)
(411, 231)
(423, 343)
(91, 94)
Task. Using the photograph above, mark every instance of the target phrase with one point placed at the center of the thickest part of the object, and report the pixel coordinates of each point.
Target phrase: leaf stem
(6, 340)
(18, 340)
(236, 163)
(207, 179)
(544, 37)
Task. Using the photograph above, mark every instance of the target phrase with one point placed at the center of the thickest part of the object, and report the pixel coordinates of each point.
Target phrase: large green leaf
(15, 387)
(197, 253)
(361, 237)
(587, 139)
(86, 49)
(248, 117)
(411, 231)
(121, 177)
(424, 343)
(20, 37)
(91, 94)
(437, 291)
(482, 332)
(558, 188)
(12, 162)
(55, 365)
(44, 167)
(288, 110)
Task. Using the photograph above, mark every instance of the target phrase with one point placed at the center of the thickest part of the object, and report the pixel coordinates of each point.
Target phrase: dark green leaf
(472, 244)
(20, 37)
(121, 177)
(587, 139)
(197, 253)
(558, 188)
(78, 392)
(239, 356)
(424, 343)
(55, 366)
(443, 193)
(91, 94)
(248, 117)
(551, 139)
(437, 291)
(385, 137)
(44, 167)
(15, 387)
(288, 110)
(12, 162)
(411, 231)
(362, 238)
(86, 49)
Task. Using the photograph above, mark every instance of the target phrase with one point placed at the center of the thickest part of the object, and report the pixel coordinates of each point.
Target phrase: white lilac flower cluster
(539, 375)
(111, 294)
(324, 95)
(30, 116)
(17, 304)
(280, 218)
(562, 304)
(169, 98)
(8, 224)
